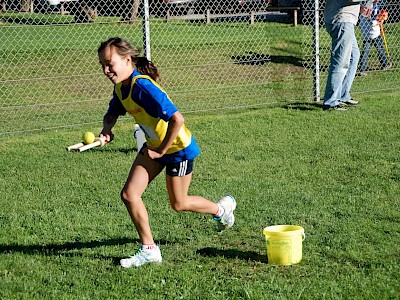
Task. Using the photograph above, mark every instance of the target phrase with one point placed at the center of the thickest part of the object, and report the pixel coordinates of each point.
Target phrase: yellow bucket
(284, 244)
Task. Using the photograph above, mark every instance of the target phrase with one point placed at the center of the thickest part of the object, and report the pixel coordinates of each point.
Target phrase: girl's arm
(108, 123)
(174, 126)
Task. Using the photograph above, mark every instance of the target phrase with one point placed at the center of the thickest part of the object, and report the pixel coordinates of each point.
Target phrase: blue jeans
(343, 65)
(378, 44)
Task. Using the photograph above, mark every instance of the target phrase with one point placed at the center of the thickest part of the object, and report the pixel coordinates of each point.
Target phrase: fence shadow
(254, 58)
(233, 253)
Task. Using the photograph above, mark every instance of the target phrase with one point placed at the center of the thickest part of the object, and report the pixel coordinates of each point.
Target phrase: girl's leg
(178, 187)
(143, 171)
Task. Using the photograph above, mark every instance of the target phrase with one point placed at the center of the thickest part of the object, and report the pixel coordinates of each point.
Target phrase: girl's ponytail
(146, 67)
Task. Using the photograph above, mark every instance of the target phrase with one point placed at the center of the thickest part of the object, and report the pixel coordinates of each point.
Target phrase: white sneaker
(141, 257)
(227, 220)
(351, 102)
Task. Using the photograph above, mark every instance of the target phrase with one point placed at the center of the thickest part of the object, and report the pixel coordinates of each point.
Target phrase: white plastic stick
(75, 147)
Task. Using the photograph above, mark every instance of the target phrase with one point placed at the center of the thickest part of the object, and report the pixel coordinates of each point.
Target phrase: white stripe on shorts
(182, 168)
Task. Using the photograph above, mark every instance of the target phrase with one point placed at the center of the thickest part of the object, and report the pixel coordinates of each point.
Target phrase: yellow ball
(88, 137)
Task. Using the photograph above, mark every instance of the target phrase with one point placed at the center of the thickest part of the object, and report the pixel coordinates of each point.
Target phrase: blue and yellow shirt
(151, 107)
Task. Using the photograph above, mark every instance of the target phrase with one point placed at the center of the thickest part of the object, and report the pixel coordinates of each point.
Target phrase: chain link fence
(212, 55)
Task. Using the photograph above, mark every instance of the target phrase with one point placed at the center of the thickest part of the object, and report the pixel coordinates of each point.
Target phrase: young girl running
(169, 145)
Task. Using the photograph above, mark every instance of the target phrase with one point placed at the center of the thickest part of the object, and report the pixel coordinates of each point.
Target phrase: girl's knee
(178, 207)
(127, 197)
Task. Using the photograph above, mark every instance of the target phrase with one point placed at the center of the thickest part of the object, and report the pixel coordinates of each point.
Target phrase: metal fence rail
(240, 54)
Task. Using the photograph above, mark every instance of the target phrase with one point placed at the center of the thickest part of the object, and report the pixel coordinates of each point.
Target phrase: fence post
(146, 29)
(317, 92)
(252, 18)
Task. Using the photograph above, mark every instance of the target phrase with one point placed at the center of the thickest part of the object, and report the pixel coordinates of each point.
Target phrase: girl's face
(117, 68)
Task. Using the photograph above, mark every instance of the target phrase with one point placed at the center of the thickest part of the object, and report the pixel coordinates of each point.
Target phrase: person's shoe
(351, 102)
(362, 73)
(141, 257)
(227, 220)
(339, 107)
(387, 67)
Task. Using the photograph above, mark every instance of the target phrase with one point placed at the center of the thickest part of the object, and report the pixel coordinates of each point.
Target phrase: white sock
(220, 212)
(149, 247)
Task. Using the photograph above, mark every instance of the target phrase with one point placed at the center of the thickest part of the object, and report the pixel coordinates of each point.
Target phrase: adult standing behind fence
(371, 26)
(341, 16)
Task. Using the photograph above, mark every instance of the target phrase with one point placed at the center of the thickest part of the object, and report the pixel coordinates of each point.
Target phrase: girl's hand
(108, 136)
(152, 153)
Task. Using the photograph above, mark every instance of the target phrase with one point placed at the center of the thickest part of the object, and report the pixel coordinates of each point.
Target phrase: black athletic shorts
(180, 169)
(176, 169)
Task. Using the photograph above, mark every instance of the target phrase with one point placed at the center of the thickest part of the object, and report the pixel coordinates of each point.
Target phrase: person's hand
(365, 11)
(152, 153)
(108, 136)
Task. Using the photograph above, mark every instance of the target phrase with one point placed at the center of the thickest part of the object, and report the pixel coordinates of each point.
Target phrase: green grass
(337, 174)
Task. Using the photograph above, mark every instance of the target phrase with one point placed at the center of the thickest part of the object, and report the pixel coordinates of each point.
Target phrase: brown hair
(123, 48)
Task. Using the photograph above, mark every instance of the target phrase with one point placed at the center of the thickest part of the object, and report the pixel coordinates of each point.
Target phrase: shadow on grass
(69, 249)
(233, 253)
(56, 249)
(303, 106)
(254, 58)
(114, 150)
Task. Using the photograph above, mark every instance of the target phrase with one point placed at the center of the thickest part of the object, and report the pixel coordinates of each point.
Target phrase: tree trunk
(84, 12)
(133, 13)
(25, 5)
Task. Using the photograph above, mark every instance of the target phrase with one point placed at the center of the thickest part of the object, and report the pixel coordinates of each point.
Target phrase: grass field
(337, 174)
